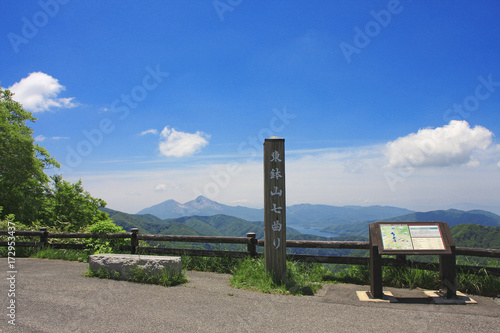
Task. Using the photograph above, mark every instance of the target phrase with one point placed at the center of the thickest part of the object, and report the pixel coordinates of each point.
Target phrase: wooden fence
(251, 250)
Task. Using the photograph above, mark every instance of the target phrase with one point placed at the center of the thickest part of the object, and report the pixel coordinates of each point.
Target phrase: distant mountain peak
(201, 206)
(203, 199)
(202, 202)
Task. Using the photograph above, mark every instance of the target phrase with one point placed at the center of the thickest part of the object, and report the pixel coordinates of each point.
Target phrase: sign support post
(275, 207)
(448, 267)
(376, 288)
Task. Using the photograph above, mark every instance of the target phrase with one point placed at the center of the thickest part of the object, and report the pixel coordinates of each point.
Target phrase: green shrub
(9, 223)
(102, 245)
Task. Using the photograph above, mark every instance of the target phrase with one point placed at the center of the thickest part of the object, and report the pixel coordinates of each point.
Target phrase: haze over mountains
(206, 217)
(305, 215)
(203, 216)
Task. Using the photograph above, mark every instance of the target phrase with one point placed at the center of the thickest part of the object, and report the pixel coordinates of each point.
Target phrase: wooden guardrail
(250, 240)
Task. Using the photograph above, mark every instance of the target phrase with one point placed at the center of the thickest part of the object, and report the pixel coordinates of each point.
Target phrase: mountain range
(203, 216)
(473, 228)
(304, 215)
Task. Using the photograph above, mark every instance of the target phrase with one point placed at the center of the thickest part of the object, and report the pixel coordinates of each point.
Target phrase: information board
(409, 237)
(412, 238)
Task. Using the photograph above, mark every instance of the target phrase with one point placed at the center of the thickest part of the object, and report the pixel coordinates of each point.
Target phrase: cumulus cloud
(38, 92)
(150, 131)
(452, 144)
(180, 144)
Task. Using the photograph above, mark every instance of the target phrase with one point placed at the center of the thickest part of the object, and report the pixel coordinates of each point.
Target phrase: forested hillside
(216, 225)
(473, 235)
(451, 216)
(465, 235)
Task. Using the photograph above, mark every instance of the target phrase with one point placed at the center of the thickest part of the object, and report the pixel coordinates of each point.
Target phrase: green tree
(23, 183)
(26, 191)
(68, 207)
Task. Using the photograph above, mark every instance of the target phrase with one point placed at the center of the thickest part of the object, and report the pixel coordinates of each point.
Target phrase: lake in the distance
(311, 231)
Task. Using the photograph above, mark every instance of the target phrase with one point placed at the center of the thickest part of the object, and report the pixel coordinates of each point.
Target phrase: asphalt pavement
(53, 296)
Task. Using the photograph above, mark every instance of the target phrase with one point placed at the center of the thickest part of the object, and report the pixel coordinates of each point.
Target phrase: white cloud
(180, 144)
(336, 176)
(452, 144)
(38, 92)
(150, 131)
(161, 187)
(41, 138)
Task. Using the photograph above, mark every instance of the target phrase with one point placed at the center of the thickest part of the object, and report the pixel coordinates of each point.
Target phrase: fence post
(133, 240)
(252, 244)
(44, 237)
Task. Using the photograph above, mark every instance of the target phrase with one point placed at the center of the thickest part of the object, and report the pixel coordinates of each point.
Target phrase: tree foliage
(479, 236)
(23, 182)
(68, 207)
(26, 191)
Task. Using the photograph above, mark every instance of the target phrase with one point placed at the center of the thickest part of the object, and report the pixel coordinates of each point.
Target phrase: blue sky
(380, 102)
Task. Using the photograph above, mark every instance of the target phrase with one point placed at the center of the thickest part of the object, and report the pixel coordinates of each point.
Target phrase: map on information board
(396, 237)
(411, 237)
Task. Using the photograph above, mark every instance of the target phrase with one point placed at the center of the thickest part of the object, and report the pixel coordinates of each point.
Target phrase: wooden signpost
(412, 238)
(275, 207)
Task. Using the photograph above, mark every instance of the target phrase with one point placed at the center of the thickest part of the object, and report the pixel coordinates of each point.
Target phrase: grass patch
(411, 278)
(302, 278)
(224, 265)
(480, 283)
(355, 274)
(21, 252)
(62, 254)
(139, 275)
(164, 279)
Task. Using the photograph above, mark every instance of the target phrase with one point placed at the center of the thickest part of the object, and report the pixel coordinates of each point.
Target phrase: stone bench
(121, 266)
